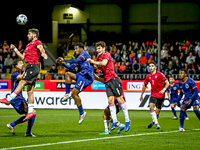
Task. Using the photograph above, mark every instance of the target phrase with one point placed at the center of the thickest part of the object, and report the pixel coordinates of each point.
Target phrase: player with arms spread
(83, 78)
(174, 96)
(190, 90)
(31, 56)
(112, 82)
(159, 84)
(19, 103)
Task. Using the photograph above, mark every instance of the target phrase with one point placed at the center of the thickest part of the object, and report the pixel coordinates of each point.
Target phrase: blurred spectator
(130, 47)
(153, 49)
(167, 59)
(197, 60)
(150, 59)
(191, 48)
(174, 59)
(190, 57)
(198, 69)
(86, 47)
(20, 45)
(171, 52)
(61, 73)
(192, 68)
(197, 48)
(136, 68)
(94, 57)
(118, 56)
(124, 56)
(183, 47)
(8, 64)
(6, 48)
(139, 54)
(92, 48)
(186, 66)
(116, 65)
(143, 62)
(187, 52)
(176, 49)
(170, 68)
(128, 67)
(162, 67)
(180, 50)
(182, 58)
(136, 47)
(143, 47)
(131, 54)
(1, 63)
(177, 67)
(122, 67)
(133, 58)
(164, 52)
(54, 71)
(48, 76)
(148, 54)
(124, 48)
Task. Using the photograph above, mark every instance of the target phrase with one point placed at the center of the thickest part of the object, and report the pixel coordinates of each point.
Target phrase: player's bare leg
(75, 96)
(18, 90)
(30, 114)
(125, 111)
(106, 117)
(68, 80)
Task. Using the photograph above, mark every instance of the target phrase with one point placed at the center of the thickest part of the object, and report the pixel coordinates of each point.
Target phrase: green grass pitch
(59, 129)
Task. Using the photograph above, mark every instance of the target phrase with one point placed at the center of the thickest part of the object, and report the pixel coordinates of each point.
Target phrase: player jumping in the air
(112, 82)
(190, 90)
(106, 112)
(174, 96)
(31, 56)
(159, 84)
(83, 78)
(19, 103)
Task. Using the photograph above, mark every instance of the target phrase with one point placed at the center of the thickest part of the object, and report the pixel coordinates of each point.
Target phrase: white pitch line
(95, 139)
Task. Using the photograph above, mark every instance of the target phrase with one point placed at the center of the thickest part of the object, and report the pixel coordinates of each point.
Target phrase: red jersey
(32, 53)
(157, 81)
(108, 70)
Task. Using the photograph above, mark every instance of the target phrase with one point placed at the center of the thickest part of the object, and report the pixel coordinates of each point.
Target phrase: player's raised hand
(141, 98)
(12, 46)
(44, 55)
(90, 60)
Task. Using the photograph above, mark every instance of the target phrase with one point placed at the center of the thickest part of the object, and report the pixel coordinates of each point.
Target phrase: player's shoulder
(14, 74)
(106, 54)
(190, 80)
(38, 42)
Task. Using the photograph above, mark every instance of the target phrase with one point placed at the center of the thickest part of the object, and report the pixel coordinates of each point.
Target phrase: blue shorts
(195, 102)
(175, 100)
(20, 105)
(82, 81)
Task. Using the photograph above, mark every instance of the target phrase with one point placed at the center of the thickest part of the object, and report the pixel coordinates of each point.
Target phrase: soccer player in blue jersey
(19, 103)
(83, 78)
(174, 96)
(190, 90)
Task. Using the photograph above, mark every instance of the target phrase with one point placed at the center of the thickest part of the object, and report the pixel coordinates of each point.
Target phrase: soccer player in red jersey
(159, 84)
(112, 82)
(31, 56)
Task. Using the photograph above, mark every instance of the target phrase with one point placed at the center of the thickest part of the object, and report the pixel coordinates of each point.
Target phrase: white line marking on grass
(94, 139)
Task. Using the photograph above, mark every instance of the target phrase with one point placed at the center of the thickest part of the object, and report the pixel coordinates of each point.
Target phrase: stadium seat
(8, 76)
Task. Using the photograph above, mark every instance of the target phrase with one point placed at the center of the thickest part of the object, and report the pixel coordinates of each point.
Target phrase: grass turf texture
(52, 126)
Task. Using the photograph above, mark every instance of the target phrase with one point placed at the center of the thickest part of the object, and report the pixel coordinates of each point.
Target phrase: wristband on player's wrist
(15, 49)
(164, 89)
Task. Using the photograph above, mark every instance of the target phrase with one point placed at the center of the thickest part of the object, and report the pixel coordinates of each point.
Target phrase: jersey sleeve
(193, 84)
(146, 81)
(38, 43)
(162, 76)
(167, 90)
(83, 55)
(14, 76)
(106, 56)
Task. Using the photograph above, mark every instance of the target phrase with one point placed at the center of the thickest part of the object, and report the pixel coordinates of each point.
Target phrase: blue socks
(197, 112)
(20, 120)
(174, 112)
(80, 108)
(182, 118)
(67, 87)
(30, 124)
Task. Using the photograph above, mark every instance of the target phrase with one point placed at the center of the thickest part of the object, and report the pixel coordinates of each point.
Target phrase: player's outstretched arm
(60, 60)
(98, 63)
(98, 78)
(21, 56)
(143, 90)
(79, 59)
(43, 54)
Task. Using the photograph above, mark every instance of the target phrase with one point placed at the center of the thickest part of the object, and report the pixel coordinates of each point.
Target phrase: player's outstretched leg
(68, 81)
(5, 101)
(12, 125)
(174, 112)
(121, 128)
(186, 116)
(182, 118)
(114, 116)
(30, 125)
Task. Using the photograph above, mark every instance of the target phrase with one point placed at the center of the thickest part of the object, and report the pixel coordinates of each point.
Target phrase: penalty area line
(94, 139)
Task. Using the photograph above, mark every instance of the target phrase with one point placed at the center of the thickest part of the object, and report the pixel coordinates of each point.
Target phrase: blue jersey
(85, 67)
(15, 82)
(173, 90)
(188, 87)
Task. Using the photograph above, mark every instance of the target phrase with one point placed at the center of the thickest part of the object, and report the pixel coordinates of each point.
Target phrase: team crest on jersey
(186, 86)
(149, 77)
(175, 88)
(155, 76)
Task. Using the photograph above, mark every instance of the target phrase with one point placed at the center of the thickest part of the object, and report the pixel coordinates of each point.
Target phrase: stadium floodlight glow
(72, 9)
